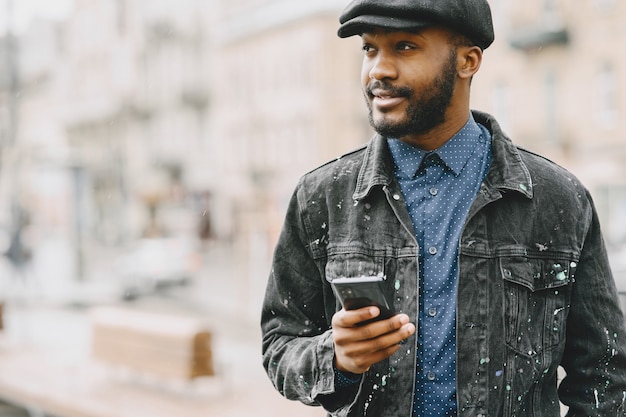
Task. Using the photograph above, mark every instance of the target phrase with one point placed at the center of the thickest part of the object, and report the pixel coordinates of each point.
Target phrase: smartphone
(358, 292)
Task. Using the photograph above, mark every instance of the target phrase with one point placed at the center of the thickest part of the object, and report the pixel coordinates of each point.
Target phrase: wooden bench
(159, 345)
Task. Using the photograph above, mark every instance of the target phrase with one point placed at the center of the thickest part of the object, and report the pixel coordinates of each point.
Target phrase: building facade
(557, 81)
(289, 100)
(113, 136)
(149, 117)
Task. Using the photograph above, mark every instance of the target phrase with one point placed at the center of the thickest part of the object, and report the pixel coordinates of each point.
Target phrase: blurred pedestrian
(205, 223)
(19, 253)
(492, 255)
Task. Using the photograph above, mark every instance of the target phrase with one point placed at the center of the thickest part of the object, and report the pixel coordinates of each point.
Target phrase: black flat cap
(471, 18)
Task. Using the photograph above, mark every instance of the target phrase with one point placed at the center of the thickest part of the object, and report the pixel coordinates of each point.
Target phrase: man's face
(408, 80)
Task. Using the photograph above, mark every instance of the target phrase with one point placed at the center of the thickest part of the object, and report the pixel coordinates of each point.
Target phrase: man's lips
(385, 100)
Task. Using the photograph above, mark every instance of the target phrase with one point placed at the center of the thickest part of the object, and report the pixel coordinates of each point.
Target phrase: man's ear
(469, 60)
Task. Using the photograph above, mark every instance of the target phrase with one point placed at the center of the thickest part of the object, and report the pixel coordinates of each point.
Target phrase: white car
(154, 263)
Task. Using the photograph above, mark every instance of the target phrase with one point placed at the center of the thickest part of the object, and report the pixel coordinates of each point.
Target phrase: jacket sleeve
(595, 353)
(298, 351)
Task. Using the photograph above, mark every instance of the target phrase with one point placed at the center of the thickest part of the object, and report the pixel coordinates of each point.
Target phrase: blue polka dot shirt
(439, 187)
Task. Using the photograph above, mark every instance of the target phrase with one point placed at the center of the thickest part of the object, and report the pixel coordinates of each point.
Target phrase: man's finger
(350, 318)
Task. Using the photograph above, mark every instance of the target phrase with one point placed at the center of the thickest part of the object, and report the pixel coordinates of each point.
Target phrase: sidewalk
(46, 361)
(46, 364)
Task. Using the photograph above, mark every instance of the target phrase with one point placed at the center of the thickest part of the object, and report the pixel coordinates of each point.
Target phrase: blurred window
(4, 124)
(549, 5)
(500, 97)
(610, 200)
(604, 4)
(121, 17)
(551, 106)
(606, 90)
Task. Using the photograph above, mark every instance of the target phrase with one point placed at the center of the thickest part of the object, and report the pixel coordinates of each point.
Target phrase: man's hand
(357, 348)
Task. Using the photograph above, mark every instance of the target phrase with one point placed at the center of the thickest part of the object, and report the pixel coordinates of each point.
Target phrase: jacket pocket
(351, 261)
(348, 263)
(536, 304)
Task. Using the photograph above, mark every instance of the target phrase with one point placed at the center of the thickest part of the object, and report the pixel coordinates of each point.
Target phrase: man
(492, 255)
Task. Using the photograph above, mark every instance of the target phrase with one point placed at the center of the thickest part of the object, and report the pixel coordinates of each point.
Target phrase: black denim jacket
(535, 290)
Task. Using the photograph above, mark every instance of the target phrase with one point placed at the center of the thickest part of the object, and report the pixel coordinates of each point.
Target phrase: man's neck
(439, 135)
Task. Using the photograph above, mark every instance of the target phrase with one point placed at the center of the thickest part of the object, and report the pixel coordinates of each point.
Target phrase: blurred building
(32, 136)
(556, 80)
(289, 99)
(139, 118)
(137, 102)
(112, 140)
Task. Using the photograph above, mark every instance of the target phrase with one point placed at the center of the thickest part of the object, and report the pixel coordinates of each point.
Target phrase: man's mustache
(388, 90)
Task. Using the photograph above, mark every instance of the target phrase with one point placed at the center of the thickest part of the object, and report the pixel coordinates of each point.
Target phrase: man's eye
(404, 47)
(367, 48)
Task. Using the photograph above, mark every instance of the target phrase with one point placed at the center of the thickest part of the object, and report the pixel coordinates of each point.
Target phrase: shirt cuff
(345, 379)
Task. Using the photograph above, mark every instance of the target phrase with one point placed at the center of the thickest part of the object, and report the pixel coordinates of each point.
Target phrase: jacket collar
(507, 172)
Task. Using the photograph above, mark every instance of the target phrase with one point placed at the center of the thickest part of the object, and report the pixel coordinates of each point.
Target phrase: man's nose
(383, 67)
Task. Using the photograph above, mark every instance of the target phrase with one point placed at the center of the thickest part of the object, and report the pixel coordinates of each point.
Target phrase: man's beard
(425, 111)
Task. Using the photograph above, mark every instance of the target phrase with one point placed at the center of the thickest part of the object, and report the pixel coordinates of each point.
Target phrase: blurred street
(45, 349)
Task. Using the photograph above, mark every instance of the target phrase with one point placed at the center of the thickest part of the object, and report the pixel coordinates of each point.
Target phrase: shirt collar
(454, 153)
(507, 171)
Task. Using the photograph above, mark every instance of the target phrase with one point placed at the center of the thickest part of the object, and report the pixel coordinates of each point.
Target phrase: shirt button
(432, 250)
(431, 376)
(433, 191)
(432, 312)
